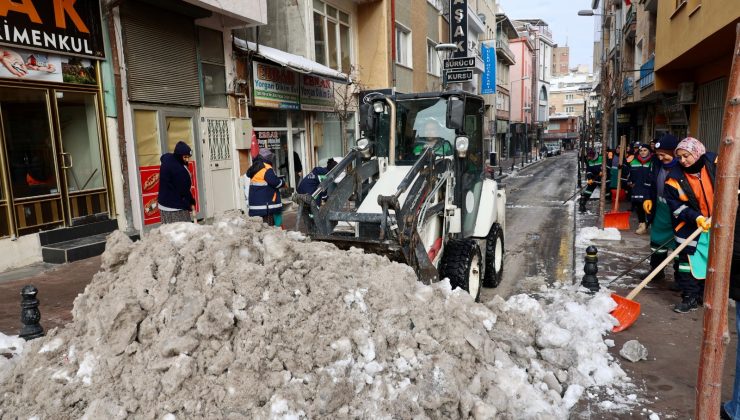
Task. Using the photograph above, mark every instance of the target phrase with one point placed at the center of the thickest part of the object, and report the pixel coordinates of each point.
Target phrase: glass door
(30, 159)
(81, 159)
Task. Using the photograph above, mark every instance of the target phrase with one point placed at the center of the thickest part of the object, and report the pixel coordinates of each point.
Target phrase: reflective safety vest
(264, 192)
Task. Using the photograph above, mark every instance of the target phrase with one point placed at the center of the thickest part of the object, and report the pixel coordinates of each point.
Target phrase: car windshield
(421, 123)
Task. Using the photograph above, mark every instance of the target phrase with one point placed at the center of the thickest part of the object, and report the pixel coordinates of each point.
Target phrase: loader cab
(442, 121)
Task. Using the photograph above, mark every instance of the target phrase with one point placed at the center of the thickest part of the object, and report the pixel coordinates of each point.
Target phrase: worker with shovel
(593, 178)
(655, 206)
(689, 192)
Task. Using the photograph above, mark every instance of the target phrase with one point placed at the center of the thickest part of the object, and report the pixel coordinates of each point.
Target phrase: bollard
(30, 314)
(590, 269)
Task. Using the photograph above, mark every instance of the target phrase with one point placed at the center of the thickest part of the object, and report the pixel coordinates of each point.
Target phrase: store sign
(459, 76)
(459, 27)
(69, 27)
(35, 65)
(275, 87)
(268, 139)
(317, 93)
(459, 63)
(488, 80)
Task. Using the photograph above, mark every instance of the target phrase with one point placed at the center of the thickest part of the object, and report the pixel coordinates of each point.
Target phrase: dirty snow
(10, 348)
(590, 233)
(238, 320)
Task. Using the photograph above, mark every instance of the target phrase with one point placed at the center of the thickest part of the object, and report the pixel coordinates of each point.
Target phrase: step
(76, 232)
(77, 249)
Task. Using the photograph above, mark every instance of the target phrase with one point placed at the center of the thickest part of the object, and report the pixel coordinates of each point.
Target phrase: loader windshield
(420, 123)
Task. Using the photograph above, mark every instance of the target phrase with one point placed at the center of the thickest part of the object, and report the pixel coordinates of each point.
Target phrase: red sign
(149, 178)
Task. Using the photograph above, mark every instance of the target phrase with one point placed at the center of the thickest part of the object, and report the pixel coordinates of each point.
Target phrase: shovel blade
(626, 312)
(617, 219)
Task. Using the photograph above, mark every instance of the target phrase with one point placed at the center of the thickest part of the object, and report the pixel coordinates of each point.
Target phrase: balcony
(503, 51)
(630, 23)
(647, 76)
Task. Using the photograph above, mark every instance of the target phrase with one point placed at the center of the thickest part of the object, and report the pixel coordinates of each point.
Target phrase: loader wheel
(461, 263)
(494, 257)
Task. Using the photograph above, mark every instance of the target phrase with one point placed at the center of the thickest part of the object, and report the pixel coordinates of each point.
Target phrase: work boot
(641, 229)
(582, 204)
(688, 303)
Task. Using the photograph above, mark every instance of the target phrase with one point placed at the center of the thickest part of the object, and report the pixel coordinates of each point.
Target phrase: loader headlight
(363, 146)
(378, 107)
(461, 145)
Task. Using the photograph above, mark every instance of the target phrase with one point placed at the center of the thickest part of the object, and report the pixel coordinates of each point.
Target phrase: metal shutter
(712, 97)
(161, 57)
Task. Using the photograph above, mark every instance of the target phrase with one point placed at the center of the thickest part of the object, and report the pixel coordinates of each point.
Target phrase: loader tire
(494, 267)
(461, 263)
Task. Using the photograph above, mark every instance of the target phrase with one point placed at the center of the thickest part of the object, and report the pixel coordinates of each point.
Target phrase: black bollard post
(590, 269)
(30, 314)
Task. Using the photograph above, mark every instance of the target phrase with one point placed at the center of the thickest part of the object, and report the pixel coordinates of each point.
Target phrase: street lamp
(446, 50)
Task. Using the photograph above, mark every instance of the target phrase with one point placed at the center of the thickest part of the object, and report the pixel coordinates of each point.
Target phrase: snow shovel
(575, 194)
(628, 310)
(615, 218)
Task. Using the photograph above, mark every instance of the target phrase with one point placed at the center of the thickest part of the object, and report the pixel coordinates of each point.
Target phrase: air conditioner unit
(686, 93)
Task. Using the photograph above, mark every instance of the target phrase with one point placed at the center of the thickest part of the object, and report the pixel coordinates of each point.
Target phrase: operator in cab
(432, 135)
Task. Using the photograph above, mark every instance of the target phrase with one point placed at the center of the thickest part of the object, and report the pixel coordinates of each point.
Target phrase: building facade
(560, 61)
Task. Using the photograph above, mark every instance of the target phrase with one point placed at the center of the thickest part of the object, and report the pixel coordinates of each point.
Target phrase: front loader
(419, 197)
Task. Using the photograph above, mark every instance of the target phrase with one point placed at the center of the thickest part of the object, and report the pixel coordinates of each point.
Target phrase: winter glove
(647, 205)
(590, 182)
(703, 223)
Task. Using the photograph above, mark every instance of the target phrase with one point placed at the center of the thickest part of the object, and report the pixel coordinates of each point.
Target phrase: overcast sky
(566, 26)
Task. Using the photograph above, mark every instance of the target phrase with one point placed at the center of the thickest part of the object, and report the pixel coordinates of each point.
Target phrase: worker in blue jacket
(593, 177)
(640, 183)
(264, 189)
(311, 182)
(175, 199)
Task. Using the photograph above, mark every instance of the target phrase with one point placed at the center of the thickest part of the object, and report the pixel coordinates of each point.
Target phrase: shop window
(213, 69)
(403, 46)
(146, 134)
(331, 36)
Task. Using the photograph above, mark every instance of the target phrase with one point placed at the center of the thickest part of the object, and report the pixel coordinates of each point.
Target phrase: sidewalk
(669, 377)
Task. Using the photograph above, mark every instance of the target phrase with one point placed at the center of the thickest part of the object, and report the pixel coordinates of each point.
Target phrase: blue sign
(488, 79)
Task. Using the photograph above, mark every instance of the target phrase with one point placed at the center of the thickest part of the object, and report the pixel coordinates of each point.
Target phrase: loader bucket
(626, 312)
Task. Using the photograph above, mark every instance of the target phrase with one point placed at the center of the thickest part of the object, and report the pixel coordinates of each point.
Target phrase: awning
(292, 61)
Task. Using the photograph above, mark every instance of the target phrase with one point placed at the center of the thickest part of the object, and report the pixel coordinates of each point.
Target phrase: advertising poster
(62, 27)
(35, 65)
(275, 87)
(317, 93)
(149, 178)
(268, 139)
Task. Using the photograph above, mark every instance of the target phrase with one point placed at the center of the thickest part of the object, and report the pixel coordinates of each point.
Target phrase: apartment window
(403, 46)
(436, 3)
(213, 68)
(569, 97)
(432, 58)
(331, 36)
(570, 109)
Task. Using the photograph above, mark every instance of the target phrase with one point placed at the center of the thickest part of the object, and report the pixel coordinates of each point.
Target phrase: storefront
(54, 170)
(295, 114)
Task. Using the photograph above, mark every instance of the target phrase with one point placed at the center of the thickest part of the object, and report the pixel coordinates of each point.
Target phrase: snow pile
(238, 320)
(10, 348)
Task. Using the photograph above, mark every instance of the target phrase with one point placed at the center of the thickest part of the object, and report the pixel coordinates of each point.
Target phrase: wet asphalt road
(539, 227)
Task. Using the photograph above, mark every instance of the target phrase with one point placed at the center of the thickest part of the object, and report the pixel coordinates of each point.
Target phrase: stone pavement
(673, 340)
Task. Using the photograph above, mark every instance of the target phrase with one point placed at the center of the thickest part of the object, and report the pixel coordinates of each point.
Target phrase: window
(403, 46)
(432, 58)
(569, 97)
(212, 65)
(570, 109)
(331, 36)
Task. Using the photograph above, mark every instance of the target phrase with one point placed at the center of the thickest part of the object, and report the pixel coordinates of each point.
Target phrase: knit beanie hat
(692, 146)
(667, 142)
(266, 155)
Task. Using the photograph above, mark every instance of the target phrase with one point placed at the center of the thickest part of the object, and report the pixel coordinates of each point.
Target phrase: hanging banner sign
(317, 93)
(488, 80)
(459, 76)
(459, 63)
(61, 26)
(459, 27)
(36, 65)
(275, 87)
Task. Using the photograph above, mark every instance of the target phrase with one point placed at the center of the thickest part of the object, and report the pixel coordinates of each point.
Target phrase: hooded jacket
(174, 179)
(264, 186)
(311, 182)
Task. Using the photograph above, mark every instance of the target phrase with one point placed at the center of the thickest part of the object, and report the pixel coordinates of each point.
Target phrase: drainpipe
(393, 43)
(121, 134)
